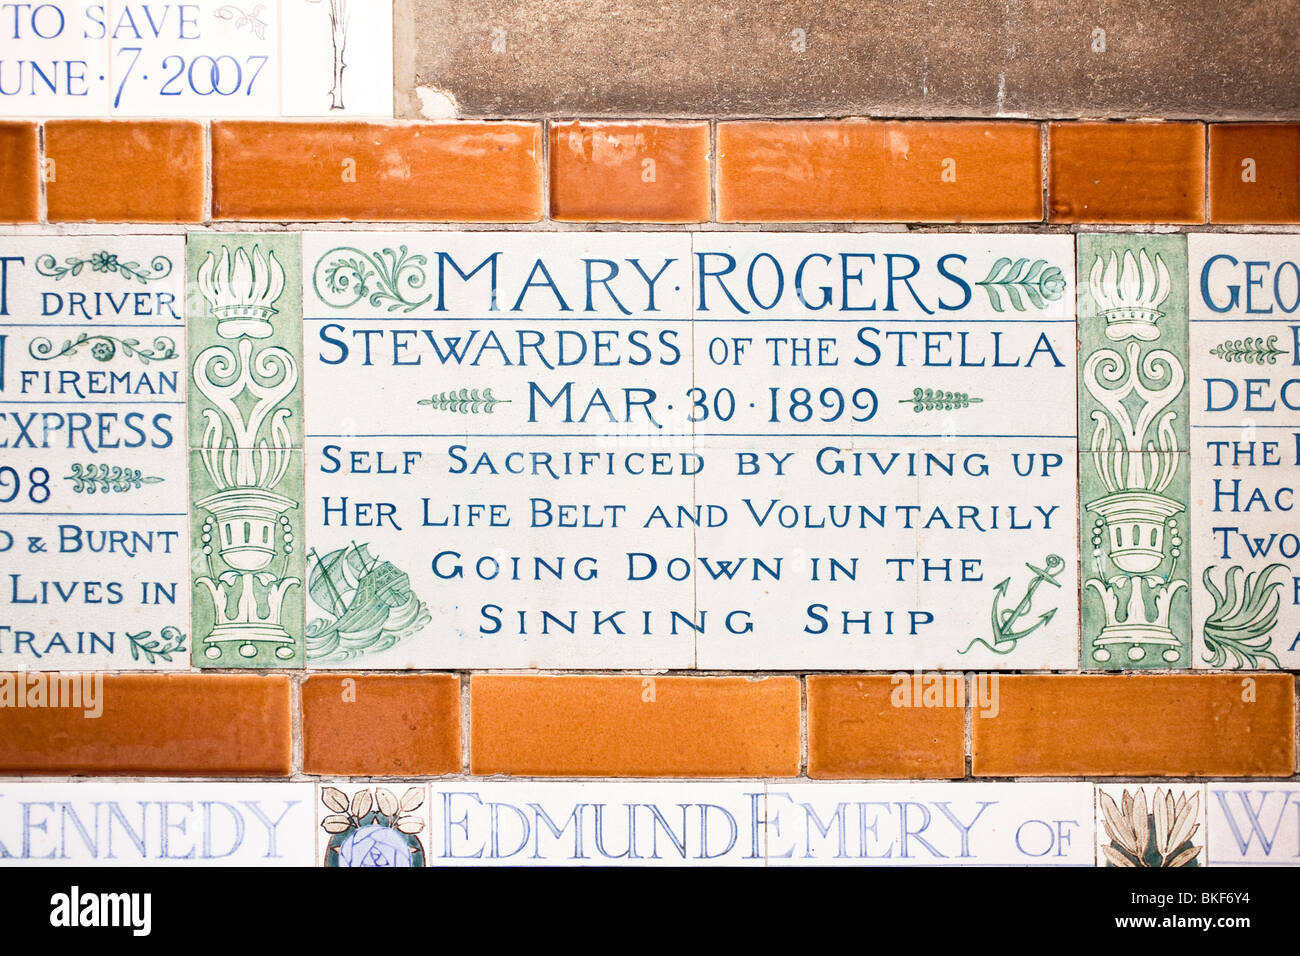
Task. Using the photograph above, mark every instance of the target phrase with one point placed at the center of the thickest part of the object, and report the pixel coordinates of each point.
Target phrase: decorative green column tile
(245, 438)
(1134, 444)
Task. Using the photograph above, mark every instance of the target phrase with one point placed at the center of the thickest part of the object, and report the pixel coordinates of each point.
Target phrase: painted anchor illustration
(1004, 620)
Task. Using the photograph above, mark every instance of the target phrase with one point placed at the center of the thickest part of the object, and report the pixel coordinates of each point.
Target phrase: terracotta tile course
(1126, 172)
(1274, 195)
(634, 726)
(151, 724)
(630, 172)
(393, 725)
(856, 732)
(139, 171)
(872, 171)
(19, 187)
(1149, 725)
(438, 172)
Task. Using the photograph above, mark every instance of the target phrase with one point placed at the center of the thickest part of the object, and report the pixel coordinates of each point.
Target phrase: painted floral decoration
(374, 829)
(1158, 837)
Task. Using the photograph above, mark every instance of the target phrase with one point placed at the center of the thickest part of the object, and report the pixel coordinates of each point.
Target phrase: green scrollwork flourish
(346, 275)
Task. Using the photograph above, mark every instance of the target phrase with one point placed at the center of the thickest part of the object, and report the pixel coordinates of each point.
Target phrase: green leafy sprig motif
(346, 275)
(1035, 281)
(104, 348)
(466, 401)
(1252, 351)
(168, 642)
(89, 479)
(937, 400)
(1239, 625)
(159, 268)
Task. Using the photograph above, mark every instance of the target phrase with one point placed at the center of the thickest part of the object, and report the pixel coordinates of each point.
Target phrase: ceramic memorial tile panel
(1133, 451)
(1245, 374)
(498, 450)
(203, 58)
(1253, 824)
(1143, 825)
(928, 824)
(155, 824)
(887, 429)
(245, 441)
(92, 461)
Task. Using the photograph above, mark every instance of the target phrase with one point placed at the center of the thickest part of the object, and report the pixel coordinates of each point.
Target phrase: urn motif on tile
(246, 446)
(1134, 465)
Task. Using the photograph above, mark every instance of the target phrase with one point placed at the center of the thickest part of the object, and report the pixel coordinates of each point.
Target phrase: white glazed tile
(207, 58)
(54, 60)
(1245, 458)
(372, 825)
(651, 823)
(1253, 824)
(102, 581)
(359, 33)
(489, 578)
(930, 824)
(1153, 825)
(479, 492)
(872, 388)
(156, 824)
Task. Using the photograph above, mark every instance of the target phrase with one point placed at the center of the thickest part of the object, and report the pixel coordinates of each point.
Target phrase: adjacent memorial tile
(1245, 366)
(499, 464)
(202, 58)
(1253, 824)
(1150, 826)
(1133, 444)
(886, 430)
(918, 824)
(597, 824)
(373, 826)
(245, 440)
(155, 824)
(93, 484)
(338, 58)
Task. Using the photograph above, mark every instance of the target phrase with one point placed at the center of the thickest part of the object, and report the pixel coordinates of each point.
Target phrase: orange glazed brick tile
(1126, 172)
(634, 726)
(1255, 173)
(862, 728)
(1168, 725)
(630, 172)
(871, 171)
(138, 171)
(19, 188)
(381, 726)
(149, 724)
(435, 172)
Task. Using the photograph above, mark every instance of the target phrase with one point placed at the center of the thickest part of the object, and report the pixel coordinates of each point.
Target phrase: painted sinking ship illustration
(368, 602)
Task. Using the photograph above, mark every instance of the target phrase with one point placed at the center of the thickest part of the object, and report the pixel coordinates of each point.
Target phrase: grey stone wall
(1038, 58)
